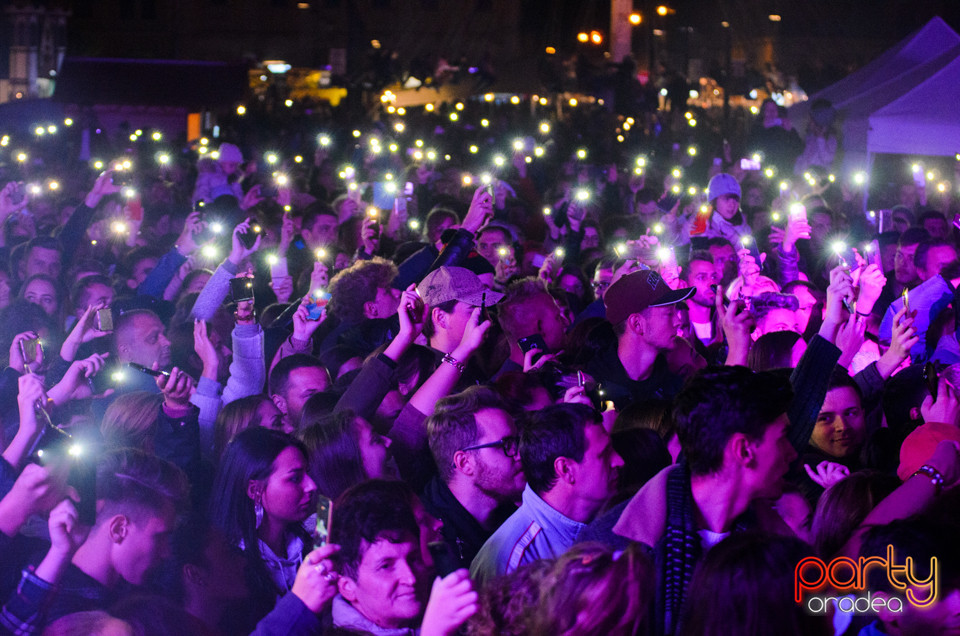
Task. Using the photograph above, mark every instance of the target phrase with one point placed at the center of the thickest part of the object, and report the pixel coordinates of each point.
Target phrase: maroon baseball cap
(638, 290)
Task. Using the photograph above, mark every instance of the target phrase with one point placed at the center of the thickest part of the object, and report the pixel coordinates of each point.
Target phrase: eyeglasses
(599, 285)
(508, 444)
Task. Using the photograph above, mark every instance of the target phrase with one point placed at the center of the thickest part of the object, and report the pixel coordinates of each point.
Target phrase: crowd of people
(393, 387)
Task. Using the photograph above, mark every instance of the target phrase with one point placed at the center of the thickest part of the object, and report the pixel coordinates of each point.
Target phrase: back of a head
(333, 450)
(591, 591)
(453, 426)
(717, 403)
(556, 431)
(314, 211)
(773, 350)
(517, 311)
(88, 623)
(138, 485)
(234, 417)
(843, 506)
(506, 601)
(156, 616)
(744, 585)
(913, 236)
(368, 512)
(129, 420)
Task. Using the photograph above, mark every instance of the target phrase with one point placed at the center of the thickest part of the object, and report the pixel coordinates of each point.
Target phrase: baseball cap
(638, 290)
(455, 283)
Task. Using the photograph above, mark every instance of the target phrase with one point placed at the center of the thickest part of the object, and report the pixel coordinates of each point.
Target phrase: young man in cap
(643, 311)
(451, 294)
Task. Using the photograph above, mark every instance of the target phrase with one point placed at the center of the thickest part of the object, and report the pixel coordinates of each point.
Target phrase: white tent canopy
(905, 101)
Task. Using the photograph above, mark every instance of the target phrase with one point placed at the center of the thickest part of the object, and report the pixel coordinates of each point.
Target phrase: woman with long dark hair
(264, 495)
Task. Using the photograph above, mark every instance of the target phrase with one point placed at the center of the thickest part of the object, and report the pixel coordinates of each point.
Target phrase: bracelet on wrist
(449, 359)
(935, 476)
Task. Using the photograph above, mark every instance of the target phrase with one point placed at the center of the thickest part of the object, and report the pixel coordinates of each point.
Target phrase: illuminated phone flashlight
(431, 155)
(518, 144)
(665, 254)
(39, 131)
(859, 178)
(413, 224)
(399, 127)
(157, 135)
(538, 151)
(376, 149)
(282, 180)
(163, 158)
(272, 158)
(620, 249)
(545, 128)
(418, 155)
(503, 251)
(352, 187)
(485, 122)
(323, 140)
(486, 179)
(209, 251)
(692, 151)
(582, 194)
(255, 228)
(931, 175)
(298, 159)
(118, 227)
(356, 133)
(784, 186)
(675, 188)
(704, 209)
(35, 189)
(745, 240)
(677, 173)
(839, 247)
(272, 259)
(641, 161)
(394, 148)
(658, 228)
(320, 253)
(547, 210)
(5, 141)
(54, 185)
(467, 180)
(498, 160)
(559, 252)
(126, 164)
(373, 212)
(216, 227)
(941, 187)
(474, 149)
(581, 154)
(454, 116)
(638, 171)
(769, 173)
(832, 178)
(916, 168)
(68, 122)
(775, 217)
(129, 192)
(757, 157)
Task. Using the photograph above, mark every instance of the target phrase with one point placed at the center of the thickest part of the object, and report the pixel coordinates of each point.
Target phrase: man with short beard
(474, 442)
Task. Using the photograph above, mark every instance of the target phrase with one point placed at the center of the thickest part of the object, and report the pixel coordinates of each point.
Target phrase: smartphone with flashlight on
(249, 238)
(749, 243)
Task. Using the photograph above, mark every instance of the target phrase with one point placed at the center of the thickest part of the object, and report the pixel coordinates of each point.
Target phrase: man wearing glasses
(474, 443)
(571, 470)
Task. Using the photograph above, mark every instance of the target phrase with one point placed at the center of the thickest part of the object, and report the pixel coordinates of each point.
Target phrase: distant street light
(635, 19)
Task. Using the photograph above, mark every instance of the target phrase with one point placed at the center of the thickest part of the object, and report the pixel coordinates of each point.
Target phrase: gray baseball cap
(455, 283)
